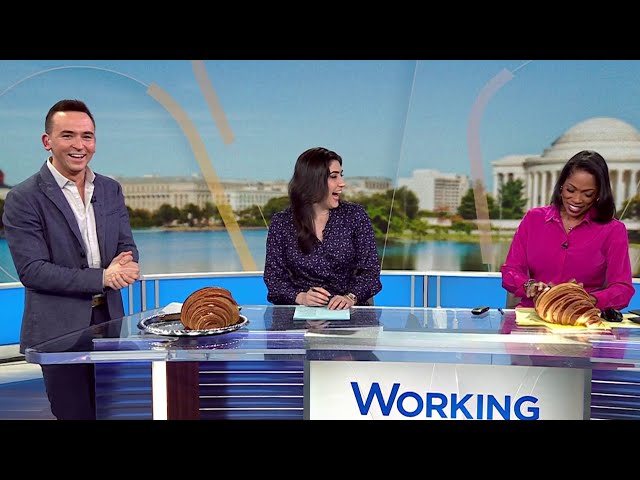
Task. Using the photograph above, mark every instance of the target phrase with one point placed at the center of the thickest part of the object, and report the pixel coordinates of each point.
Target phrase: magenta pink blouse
(595, 254)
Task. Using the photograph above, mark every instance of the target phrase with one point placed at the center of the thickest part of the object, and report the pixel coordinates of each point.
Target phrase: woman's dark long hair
(308, 186)
(593, 163)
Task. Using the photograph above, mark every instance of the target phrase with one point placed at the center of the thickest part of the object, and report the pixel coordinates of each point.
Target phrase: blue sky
(386, 118)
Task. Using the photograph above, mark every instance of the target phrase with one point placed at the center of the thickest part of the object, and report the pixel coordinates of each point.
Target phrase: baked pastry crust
(209, 308)
(567, 304)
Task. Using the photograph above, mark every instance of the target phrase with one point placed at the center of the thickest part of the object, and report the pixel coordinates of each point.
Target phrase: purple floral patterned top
(346, 261)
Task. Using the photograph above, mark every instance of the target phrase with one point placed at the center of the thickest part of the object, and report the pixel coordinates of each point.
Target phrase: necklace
(568, 228)
(571, 227)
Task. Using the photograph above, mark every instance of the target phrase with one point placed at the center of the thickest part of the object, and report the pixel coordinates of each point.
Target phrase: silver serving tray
(174, 328)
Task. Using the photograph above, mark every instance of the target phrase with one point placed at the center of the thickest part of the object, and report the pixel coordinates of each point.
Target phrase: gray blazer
(50, 257)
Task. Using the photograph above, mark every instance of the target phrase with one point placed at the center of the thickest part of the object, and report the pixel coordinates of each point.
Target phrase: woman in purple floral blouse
(321, 250)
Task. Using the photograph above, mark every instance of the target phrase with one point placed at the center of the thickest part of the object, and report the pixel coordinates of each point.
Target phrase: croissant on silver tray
(567, 304)
(209, 308)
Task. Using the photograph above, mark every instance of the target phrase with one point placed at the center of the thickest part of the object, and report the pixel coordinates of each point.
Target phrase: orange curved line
(475, 157)
(211, 98)
(208, 172)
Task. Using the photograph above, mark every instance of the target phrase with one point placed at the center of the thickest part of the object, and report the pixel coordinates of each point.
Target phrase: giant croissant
(567, 304)
(209, 308)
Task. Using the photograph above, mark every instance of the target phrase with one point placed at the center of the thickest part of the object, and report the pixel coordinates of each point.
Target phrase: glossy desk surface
(402, 334)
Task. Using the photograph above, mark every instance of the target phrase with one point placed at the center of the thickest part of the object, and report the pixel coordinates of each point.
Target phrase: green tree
(511, 201)
(210, 213)
(630, 209)
(190, 214)
(419, 229)
(467, 208)
(382, 224)
(404, 216)
(465, 227)
(140, 218)
(379, 216)
(274, 205)
(165, 215)
(405, 201)
(250, 217)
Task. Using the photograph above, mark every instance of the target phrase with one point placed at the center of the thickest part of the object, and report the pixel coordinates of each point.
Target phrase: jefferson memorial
(617, 141)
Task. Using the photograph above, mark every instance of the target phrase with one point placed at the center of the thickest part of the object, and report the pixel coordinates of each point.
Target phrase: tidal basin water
(213, 251)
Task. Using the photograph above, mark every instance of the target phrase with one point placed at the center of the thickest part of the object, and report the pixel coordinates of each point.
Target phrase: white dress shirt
(83, 212)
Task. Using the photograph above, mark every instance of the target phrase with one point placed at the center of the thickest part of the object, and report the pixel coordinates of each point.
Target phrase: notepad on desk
(171, 311)
(320, 313)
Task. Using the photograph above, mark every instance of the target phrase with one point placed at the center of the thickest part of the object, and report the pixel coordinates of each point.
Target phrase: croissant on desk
(567, 304)
(209, 308)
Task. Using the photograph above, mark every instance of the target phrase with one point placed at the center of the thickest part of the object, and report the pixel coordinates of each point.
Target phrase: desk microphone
(565, 245)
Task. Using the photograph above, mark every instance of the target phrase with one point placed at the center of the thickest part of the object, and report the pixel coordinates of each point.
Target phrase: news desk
(382, 363)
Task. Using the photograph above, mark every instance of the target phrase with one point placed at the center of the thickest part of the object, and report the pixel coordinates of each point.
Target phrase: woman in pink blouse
(575, 238)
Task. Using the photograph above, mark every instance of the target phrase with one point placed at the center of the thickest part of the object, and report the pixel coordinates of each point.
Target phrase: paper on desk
(320, 313)
(173, 308)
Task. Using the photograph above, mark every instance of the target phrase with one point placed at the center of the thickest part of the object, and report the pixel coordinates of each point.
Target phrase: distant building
(367, 185)
(149, 192)
(507, 169)
(436, 191)
(617, 141)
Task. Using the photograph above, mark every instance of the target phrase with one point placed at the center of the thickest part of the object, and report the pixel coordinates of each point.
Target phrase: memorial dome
(613, 138)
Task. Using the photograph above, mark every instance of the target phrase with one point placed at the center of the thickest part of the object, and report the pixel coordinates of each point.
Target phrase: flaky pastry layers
(567, 304)
(209, 308)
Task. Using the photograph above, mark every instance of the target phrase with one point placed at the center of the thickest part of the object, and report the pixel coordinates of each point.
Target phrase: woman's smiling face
(335, 184)
(579, 193)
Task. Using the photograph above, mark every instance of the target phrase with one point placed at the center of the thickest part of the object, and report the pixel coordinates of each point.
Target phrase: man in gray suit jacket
(69, 235)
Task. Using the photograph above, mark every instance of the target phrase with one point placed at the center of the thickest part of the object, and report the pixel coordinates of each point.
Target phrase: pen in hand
(325, 296)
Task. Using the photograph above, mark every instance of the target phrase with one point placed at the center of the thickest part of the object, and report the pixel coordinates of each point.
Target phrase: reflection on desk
(401, 332)
(257, 371)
